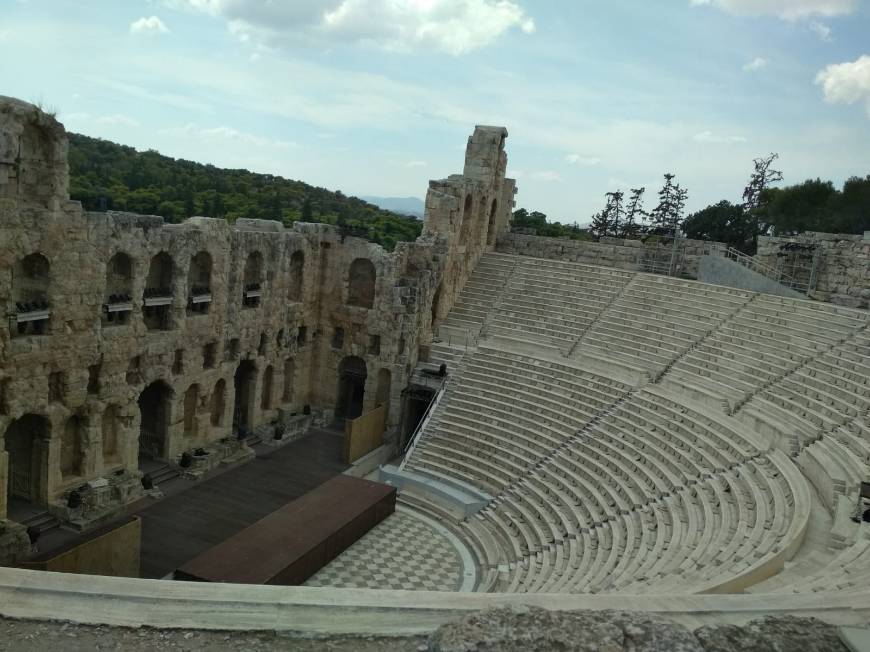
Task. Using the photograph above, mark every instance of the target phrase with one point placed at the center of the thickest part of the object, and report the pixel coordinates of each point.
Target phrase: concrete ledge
(468, 499)
(95, 600)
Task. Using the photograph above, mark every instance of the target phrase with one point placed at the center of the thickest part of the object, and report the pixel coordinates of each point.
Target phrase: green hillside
(108, 176)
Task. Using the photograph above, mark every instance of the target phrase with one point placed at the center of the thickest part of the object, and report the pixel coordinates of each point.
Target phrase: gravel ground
(31, 636)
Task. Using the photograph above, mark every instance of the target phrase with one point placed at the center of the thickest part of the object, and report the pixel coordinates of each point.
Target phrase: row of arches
(31, 285)
(465, 231)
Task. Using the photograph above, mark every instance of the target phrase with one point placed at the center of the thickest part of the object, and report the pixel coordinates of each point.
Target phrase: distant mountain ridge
(402, 205)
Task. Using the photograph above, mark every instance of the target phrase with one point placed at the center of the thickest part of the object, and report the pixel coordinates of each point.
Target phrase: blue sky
(375, 97)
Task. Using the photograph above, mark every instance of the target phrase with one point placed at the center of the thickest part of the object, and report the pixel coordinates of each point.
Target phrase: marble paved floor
(403, 552)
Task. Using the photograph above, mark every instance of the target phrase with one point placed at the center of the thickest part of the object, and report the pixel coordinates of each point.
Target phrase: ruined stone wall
(608, 252)
(122, 334)
(469, 212)
(842, 264)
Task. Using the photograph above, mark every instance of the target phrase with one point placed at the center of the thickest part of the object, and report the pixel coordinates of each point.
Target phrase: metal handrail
(765, 270)
(427, 416)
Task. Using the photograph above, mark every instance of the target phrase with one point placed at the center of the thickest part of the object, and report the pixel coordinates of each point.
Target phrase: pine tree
(616, 211)
(635, 215)
(600, 227)
(754, 194)
(662, 215)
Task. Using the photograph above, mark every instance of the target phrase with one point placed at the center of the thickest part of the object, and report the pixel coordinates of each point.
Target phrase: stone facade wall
(632, 255)
(82, 342)
(842, 264)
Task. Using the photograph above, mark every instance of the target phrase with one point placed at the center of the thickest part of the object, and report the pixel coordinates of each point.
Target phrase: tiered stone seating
(817, 397)
(768, 338)
(504, 412)
(680, 484)
(848, 572)
(551, 302)
(476, 300)
(656, 319)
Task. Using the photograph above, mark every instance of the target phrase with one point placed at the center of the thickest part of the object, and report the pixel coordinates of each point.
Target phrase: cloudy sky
(378, 96)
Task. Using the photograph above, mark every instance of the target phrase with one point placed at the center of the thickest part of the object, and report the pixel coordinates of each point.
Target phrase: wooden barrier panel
(291, 544)
(364, 434)
(111, 550)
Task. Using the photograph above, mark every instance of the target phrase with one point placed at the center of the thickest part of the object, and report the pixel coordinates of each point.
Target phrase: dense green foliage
(722, 222)
(816, 205)
(535, 223)
(108, 176)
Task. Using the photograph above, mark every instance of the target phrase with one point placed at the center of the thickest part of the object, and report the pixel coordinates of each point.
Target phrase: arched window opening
(361, 283)
(253, 280)
(31, 282)
(118, 300)
(158, 292)
(199, 284)
(297, 276)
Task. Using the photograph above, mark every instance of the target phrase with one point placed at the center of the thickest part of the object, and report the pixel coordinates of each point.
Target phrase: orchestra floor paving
(187, 522)
(403, 552)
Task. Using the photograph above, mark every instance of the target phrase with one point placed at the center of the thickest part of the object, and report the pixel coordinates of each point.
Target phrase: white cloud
(785, 9)
(710, 137)
(547, 175)
(755, 65)
(150, 25)
(114, 120)
(585, 161)
(415, 164)
(211, 135)
(453, 26)
(847, 83)
(822, 30)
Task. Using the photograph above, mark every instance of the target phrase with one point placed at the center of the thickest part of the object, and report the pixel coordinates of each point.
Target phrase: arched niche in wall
(289, 372)
(111, 438)
(361, 280)
(490, 229)
(218, 403)
(266, 393)
(118, 296)
(199, 295)
(31, 286)
(244, 382)
(467, 219)
(352, 374)
(25, 440)
(191, 404)
(72, 447)
(296, 276)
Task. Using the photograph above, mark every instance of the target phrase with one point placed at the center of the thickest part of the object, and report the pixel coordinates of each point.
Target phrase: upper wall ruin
(123, 335)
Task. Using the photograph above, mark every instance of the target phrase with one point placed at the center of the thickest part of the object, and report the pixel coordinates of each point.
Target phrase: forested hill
(108, 176)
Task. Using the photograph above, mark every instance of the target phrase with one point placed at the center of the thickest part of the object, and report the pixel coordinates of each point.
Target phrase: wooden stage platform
(184, 525)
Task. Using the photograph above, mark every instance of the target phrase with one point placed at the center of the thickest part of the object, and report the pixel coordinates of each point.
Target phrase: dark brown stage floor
(196, 516)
